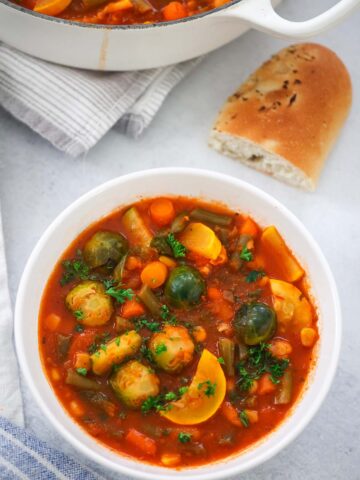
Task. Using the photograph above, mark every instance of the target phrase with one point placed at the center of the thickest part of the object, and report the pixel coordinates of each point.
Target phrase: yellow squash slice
(51, 7)
(200, 239)
(204, 396)
(290, 305)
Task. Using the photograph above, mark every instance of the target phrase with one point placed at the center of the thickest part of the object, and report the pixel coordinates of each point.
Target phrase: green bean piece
(118, 272)
(235, 261)
(72, 378)
(284, 393)
(100, 400)
(201, 215)
(227, 352)
(150, 300)
(179, 222)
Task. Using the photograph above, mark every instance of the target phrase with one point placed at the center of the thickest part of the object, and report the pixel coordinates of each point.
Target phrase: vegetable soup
(177, 332)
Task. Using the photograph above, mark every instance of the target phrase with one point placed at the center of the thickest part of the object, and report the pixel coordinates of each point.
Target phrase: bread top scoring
(293, 105)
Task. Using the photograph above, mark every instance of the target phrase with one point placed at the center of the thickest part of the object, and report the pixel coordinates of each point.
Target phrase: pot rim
(138, 26)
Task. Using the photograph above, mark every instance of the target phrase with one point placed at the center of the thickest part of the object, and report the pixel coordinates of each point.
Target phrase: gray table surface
(37, 182)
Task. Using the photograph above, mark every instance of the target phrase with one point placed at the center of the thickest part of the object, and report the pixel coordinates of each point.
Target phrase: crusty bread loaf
(285, 118)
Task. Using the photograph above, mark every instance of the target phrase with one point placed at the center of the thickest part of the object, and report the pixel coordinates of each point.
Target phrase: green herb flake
(183, 390)
(184, 437)
(78, 314)
(178, 248)
(161, 348)
(82, 371)
(117, 341)
(170, 396)
(221, 360)
(74, 269)
(254, 276)
(120, 294)
(246, 254)
(244, 418)
(79, 328)
(150, 325)
(209, 388)
(103, 347)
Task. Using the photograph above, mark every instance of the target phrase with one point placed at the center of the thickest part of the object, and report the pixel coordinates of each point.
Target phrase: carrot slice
(265, 385)
(141, 441)
(162, 211)
(51, 7)
(174, 11)
(249, 227)
(132, 308)
(154, 274)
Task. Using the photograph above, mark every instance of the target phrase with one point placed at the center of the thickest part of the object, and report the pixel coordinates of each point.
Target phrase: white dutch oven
(237, 195)
(146, 46)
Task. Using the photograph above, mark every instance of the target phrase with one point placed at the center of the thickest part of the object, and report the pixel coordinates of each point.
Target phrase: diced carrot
(231, 414)
(174, 11)
(193, 431)
(82, 360)
(249, 227)
(199, 333)
(154, 274)
(308, 336)
(280, 348)
(133, 263)
(263, 281)
(169, 262)
(141, 441)
(223, 310)
(52, 322)
(55, 374)
(162, 211)
(265, 385)
(76, 408)
(214, 293)
(230, 384)
(252, 415)
(132, 308)
(170, 459)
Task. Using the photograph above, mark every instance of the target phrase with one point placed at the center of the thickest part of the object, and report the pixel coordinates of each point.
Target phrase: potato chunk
(89, 298)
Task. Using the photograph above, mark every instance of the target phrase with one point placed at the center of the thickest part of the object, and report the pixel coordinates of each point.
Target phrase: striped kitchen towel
(72, 108)
(25, 457)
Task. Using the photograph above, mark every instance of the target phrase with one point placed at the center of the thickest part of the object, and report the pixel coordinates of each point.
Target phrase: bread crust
(294, 106)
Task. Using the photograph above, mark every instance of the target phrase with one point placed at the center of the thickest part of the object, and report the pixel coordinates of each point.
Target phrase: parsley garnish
(221, 360)
(82, 371)
(146, 352)
(74, 269)
(244, 418)
(117, 341)
(246, 254)
(210, 388)
(254, 275)
(79, 328)
(161, 348)
(170, 396)
(158, 403)
(260, 361)
(144, 323)
(120, 294)
(79, 314)
(184, 437)
(166, 315)
(183, 390)
(178, 248)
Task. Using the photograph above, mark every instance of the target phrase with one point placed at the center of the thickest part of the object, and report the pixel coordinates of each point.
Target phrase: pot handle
(261, 15)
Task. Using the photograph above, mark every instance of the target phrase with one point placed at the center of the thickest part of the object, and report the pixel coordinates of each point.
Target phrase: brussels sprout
(133, 383)
(90, 300)
(105, 248)
(184, 286)
(172, 348)
(255, 323)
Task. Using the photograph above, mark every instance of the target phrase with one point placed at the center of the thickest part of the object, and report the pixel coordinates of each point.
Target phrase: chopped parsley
(184, 437)
(120, 294)
(221, 360)
(161, 348)
(79, 314)
(254, 275)
(79, 328)
(260, 361)
(146, 352)
(159, 403)
(74, 269)
(82, 371)
(150, 325)
(170, 396)
(166, 315)
(117, 341)
(209, 388)
(183, 390)
(103, 347)
(178, 248)
(244, 418)
(246, 254)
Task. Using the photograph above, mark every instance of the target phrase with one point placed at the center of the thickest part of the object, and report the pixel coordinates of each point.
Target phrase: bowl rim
(229, 470)
(105, 27)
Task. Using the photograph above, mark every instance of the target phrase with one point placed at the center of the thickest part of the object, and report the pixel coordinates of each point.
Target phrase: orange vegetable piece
(195, 406)
(276, 248)
(202, 240)
(231, 414)
(252, 415)
(214, 293)
(154, 274)
(51, 7)
(249, 227)
(170, 459)
(141, 441)
(162, 212)
(133, 263)
(280, 348)
(265, 385)
(199, 333)
(169, 262)
(308, 336)
(52, 321)
(132, 308)
(82, 360)
(174, 11)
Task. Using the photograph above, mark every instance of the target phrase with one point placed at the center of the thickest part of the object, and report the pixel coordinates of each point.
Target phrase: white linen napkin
(72, 108)
(10, 395)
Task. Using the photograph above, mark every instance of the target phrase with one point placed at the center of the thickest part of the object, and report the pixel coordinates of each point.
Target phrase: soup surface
(177, 332)
(121, 12)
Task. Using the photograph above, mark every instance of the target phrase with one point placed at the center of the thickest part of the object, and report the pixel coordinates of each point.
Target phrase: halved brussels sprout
(172, 348)
(105, 248)
(90, 299)
(133, 383)
(184, 287)
(255, 323)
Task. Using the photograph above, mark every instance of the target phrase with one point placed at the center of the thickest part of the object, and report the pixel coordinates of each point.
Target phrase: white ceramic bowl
(238, 195)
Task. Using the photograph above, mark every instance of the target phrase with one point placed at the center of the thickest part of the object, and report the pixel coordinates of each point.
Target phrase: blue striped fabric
(23, 456)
